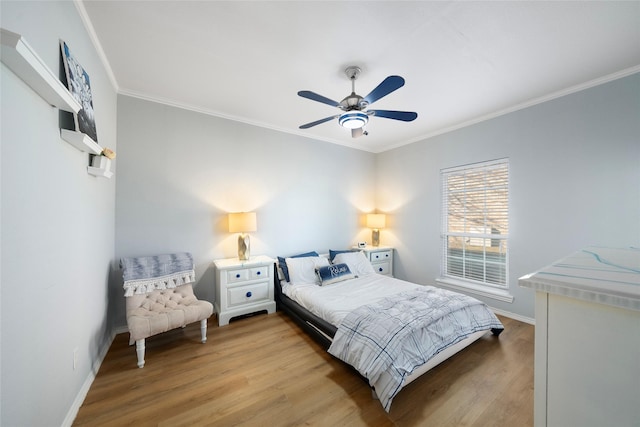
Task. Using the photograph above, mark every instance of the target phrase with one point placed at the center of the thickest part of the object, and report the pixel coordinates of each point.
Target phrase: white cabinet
(587, 339)
(381, 258)
(243, 287)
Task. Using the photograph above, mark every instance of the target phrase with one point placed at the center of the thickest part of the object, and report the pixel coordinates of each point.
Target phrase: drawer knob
(387, 256)
(237, 275)
(258, 273)
(377, 256)
(248, 294)
(380, 268)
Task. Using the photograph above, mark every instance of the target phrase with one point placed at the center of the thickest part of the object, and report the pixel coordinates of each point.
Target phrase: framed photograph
(80, 87)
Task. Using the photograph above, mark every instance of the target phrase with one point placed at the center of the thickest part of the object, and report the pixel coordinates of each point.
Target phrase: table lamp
(376, 222)
(243, 222)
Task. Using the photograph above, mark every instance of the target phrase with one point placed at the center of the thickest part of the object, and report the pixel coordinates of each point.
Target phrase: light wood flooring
(263, 370)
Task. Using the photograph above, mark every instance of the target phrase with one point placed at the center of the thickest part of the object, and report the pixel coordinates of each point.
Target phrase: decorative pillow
(283, 265)
(333, 274)
(302, 270)
(357, 262)
(333, 253)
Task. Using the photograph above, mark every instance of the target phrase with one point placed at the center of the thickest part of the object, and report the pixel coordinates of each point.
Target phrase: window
(475, 224)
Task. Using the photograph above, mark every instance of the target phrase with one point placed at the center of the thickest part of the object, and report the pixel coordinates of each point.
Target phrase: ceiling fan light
(353, 119)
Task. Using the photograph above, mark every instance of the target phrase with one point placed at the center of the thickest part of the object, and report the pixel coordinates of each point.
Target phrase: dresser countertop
(596, 274)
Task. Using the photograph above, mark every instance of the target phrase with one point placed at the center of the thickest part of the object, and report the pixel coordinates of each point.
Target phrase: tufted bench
(159, 311)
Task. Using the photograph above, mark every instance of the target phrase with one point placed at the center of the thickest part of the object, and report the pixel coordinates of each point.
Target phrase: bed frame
(323, 331)
(319, 329)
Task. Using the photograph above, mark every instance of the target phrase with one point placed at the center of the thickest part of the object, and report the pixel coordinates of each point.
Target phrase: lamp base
(375, 237)
(244, 247)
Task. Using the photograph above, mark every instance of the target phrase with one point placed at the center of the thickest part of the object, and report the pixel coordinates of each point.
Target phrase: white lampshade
(242, 222)
(376, 221)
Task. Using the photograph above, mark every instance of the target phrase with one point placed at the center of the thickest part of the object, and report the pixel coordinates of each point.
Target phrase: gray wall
(181, 172)
(574, 181)
(57, 226)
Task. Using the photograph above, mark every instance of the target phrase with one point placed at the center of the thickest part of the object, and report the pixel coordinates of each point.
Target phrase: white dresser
(243, 287)
(587, 339)
(381, 258)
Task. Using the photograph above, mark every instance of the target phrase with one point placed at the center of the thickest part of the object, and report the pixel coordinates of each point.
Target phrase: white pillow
(303, 270)
(357, 262)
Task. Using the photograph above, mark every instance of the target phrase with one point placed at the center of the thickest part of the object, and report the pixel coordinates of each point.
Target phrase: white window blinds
(475, 222)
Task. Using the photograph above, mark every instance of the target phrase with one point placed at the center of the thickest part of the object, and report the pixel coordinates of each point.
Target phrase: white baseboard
(514, 316)
(82, 393)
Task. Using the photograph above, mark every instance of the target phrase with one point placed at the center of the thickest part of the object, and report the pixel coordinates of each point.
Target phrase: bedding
(385, 327)
(333, 253)
(333, 303)
(403, 331)
(334, 273)
(357, 262)
(283, 265)
(302, 270)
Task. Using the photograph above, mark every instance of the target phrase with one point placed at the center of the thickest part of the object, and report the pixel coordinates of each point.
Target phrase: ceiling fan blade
(317, 122)
(405, 116)
(315, 97)
(387, 86)
(357, 132)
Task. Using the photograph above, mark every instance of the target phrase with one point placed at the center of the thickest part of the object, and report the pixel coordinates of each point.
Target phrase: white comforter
(333, 302)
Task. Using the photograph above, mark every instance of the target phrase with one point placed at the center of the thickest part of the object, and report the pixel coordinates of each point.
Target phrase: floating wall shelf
(20, 58)
(81, 141)
(100, 166)
(99, 172)
(26, 64)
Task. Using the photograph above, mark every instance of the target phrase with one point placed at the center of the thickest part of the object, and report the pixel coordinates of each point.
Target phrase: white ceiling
(462, 61)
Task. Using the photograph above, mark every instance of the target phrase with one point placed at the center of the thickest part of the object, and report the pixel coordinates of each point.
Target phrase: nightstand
(243, 287)
(381, 258)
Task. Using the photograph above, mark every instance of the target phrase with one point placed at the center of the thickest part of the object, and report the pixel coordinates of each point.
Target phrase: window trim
(500, 294)
(496, 291)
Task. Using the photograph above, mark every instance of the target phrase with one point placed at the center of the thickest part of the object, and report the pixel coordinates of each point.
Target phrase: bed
(389, 330)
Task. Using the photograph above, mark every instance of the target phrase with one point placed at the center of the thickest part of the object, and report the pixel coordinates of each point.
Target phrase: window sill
(485, 291)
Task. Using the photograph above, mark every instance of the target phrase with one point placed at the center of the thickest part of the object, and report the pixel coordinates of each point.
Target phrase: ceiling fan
(355, 114)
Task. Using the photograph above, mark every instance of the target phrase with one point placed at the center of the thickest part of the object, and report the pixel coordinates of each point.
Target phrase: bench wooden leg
(140, 352)
(203, 330)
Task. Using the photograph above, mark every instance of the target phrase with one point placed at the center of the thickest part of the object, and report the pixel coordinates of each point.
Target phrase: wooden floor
(263, 370)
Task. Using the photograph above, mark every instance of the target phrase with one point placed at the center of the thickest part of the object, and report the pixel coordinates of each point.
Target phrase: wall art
(80, 87)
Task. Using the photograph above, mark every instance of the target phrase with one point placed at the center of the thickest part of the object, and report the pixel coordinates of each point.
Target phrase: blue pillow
(333, 273)
(283, 264)
(333, 253)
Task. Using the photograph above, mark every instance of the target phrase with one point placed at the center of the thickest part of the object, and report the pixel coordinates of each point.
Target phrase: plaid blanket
(387, 340)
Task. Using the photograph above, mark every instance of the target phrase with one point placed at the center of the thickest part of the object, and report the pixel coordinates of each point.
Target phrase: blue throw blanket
(385, 341)
(146, 274)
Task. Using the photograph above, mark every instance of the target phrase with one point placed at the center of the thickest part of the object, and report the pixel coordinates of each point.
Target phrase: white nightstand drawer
(234, 276)
(380, 256)
(248, 294)
(382, 267)
(258, 272)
